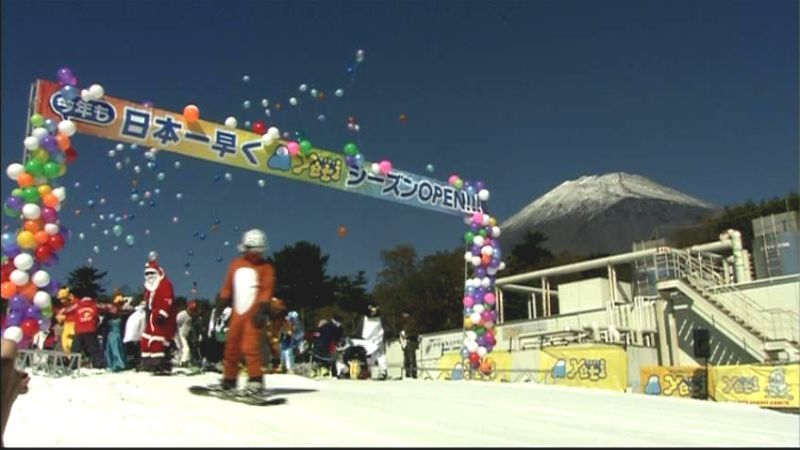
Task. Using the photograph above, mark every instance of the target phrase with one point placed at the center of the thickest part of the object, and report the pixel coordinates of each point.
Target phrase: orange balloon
(63, 141)
(8, 290)
(50, 200)
(25, 180)
(342, 231)
(191, 113)
(34, 226)
(486, 259)
(41, 237)
(28, 290)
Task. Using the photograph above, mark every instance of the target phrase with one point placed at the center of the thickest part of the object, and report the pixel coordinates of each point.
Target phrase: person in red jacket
(161, 324)
(84, 309)
(248, 286)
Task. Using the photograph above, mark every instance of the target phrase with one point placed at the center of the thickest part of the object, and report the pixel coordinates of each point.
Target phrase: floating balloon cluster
(484, 257)
(36, 202)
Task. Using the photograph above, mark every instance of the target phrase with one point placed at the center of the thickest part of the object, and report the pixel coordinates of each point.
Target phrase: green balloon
(350, 149)
(17, 192)
(51, 169)
(10, 212)
(459, 184)
(117, 230)
(469, 236)
(37, 120)
(130, 240)
(482, 232)
(47, 311)
(34, 167)
(479, 330)
(305, 146)
(30, 194)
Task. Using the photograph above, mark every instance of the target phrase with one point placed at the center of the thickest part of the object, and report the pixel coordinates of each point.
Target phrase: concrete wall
(782, 293)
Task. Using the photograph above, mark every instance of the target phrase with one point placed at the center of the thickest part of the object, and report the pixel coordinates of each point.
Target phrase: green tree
(302, 280)
(530, 254)
(87, 279)
(394, 285)
(350, 296)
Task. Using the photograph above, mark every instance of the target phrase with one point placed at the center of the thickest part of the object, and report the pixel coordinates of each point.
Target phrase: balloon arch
(58, 110)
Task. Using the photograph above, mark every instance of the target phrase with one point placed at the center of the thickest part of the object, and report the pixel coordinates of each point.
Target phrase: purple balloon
(479, 185)
(12, 252)
(65, 232)
(349, 160)
(32, 312)
(474, 227)
(14, 319)
(65, 75)
(480, 272)
(15, 203)
(18, 303)
(49, 143)
(44, 323)
(49, 215)
(53, 287)
(36, 266)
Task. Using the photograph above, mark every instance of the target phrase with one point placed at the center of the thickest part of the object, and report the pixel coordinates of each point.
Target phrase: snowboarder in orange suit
(249, 285)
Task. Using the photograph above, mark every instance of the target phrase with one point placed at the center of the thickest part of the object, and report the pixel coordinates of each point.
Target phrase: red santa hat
(152, 266)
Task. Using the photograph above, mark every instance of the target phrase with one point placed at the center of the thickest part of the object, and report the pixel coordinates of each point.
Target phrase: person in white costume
(373, 338)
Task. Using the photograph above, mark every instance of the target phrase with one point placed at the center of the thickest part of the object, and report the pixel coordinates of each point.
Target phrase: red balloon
(6, 269)
(259, 127)
(43, 253)
(29, 327)
(474, 358)
(71, 155)
(56, 242)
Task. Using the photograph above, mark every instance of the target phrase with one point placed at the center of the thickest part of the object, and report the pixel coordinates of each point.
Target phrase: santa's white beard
(152, 285)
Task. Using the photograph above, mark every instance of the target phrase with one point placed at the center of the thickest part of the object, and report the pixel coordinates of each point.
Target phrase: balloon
(429, 168)
(96, 91)
(71, 155)
(231, 122)
(350, 149)
(14, 170)
(483, 194)
(342, 231)
(339, 92)
(29, 326)
(31, 142)
(130, 240)
(293, 148)
(8, 289)
(56, 242)
(293, 101)
(41, 278)
(19, 277)
(44, 252)
(41, 237)
(25, 239)
(246, 104)
(385, 167)
(259, 127)
(191, 113)
(23, 261)
(67, 127)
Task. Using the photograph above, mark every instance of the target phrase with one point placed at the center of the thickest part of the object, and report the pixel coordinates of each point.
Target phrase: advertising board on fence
(767, 386)
(595, 366)
(676, 381)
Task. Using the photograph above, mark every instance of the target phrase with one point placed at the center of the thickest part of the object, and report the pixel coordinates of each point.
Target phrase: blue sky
(699, 96)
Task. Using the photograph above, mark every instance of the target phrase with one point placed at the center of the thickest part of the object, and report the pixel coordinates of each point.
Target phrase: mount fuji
(600, 214)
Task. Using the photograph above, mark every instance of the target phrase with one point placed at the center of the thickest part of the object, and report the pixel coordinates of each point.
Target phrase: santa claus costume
(161, 323)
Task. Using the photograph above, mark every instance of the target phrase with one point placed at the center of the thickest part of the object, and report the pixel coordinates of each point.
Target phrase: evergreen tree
(88, 280)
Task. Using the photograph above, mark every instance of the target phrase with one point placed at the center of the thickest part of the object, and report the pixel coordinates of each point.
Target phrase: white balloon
(502, 266)
(478, 240)
(495, 232)
(486, 282)
(31, 211)
(476, 261)
(40, 133)
(19, 277)
(85, 95)
(487, 250)
(31, 142)
(303, 87)
(14, 170)
(471, 335)
(67, 127)
(472, 346)
(267, 140)
(491, 271)
(23, 261)
(51, 229)
(112, 153)
(376, 169)
(231, 122)
(481, 351)
(41, 278)
(274, 132)
(96, 91)
(486, 219)
(468, 256)
(13, 334)
(81, 236)
(467, 220)
(483, 194)
(477, 308)
(475, 318)
(60, 193)
(41, 300)
(293, 101)
(120, 147)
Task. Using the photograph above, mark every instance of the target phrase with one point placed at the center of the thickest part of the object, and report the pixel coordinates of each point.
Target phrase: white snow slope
(135, 409)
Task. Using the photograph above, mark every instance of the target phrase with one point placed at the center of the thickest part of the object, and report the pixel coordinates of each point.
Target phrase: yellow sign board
(767, 386)
(595, 366)
(689, 382)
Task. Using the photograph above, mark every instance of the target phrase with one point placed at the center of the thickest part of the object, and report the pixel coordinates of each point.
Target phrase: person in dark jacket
(409, 342)
(86, 321)
(329, 336)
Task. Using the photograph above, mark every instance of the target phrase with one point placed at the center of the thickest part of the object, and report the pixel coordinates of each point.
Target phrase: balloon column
(483, 256)
(36, 203)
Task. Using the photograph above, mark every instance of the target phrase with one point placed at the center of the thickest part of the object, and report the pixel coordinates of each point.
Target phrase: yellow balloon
(467, 322)
(25, 239)
(492, 222)
(41, 155)
(62, 169)
(44, 190)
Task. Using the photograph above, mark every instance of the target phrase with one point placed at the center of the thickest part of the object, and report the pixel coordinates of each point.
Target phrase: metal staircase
(777, 329)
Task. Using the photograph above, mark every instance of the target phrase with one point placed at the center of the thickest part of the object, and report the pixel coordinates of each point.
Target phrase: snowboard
(235, 396)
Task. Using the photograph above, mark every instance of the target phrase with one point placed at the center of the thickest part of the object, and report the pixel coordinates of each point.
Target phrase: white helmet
(254, 239)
